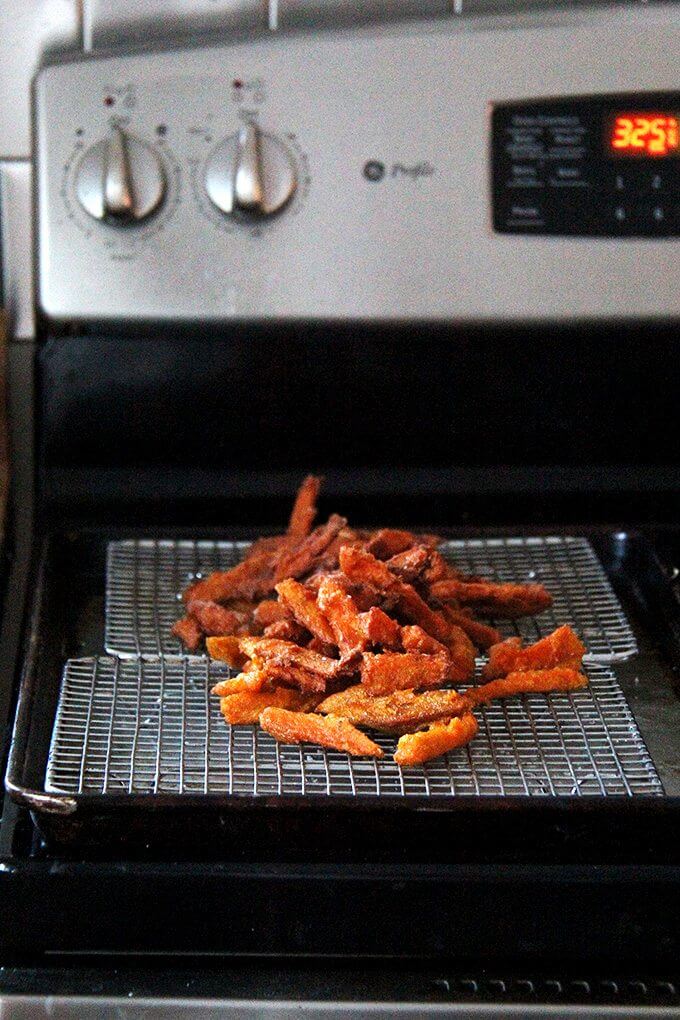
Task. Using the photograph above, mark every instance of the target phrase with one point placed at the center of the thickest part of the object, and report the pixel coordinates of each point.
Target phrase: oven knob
(120, 180)
(251, 174)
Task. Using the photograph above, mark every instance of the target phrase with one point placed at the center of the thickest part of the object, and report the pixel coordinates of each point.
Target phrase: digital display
(644, 134)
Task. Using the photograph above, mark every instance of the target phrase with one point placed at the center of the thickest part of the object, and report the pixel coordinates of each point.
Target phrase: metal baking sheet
(145, 579)
(149, 726)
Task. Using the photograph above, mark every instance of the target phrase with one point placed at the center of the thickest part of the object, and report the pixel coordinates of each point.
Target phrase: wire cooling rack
(145, 579)
(149, 726)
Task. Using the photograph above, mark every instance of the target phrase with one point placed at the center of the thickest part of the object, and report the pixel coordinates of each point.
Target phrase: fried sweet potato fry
(329, 731)
(304, 508)
(342, 615)
(189, 633)
(365, 598)
(411, 564)
(271, 611)
(381, 629)
(541, 681)
(288, 674)
(503, 601)
(248, 579)
(315, 645)
(226, 649)
(302, 603)
(389, 542)
(481, 634)
(415, 748)
(301, 558)
(398, 671)
(327, 561)
(246, 707)
(287, 630)
(214, 619)
(401, 709)
(362, 568)
(286, 653)
(252, 681)
(414, 639)
(438, 569)
(268, 543)
(561, 648)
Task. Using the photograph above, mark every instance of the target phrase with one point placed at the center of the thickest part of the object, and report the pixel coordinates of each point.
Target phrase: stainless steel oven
(431, 252)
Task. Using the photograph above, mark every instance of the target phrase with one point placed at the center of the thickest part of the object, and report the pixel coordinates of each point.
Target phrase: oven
(430, 252)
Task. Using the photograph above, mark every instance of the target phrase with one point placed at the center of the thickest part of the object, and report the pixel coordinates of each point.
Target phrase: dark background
(416, 423)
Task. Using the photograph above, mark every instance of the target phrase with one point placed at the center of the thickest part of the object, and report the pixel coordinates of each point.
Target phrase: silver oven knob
(120, 180)
(251, 174)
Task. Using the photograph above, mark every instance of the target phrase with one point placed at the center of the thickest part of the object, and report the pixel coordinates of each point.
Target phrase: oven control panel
(606, 166)
(395, 173)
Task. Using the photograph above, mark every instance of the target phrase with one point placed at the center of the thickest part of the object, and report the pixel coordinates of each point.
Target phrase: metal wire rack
(144, 726)
(145, 579)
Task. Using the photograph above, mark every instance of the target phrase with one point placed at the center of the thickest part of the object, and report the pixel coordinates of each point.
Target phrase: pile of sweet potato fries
(334, 629)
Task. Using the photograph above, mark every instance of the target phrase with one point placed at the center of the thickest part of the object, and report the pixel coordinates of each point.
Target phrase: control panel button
(653, 216)
(525, 214)
(251, 175)
(568, 175)
(620, 217)
(120, 180)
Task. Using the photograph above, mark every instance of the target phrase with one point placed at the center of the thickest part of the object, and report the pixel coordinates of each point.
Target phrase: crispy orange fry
(505, 601)
(329, 731)
(246, 707)
(283, 662)
(480, 634)
(414, 639)
(415, 748)
(438, 569)
(226, 649)
(341, 612)
(381, 629)
(268, 543)
(362, 568)
(315, 645)
(301, 602)
(301, 558)
(561, 648)
(327, 561)
(287, 630)
(189, 633)
(304, 508)
(528, 682)
(397, 671)
(388, 542)
(364, 596)
(410, 564)
(248, 579)
(270, 611)
(402, 709)
(288, 674)
(252, 681)
(262, 650)
(215, 619)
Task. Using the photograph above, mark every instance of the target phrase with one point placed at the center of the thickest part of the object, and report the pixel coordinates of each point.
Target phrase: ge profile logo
(374, 170)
